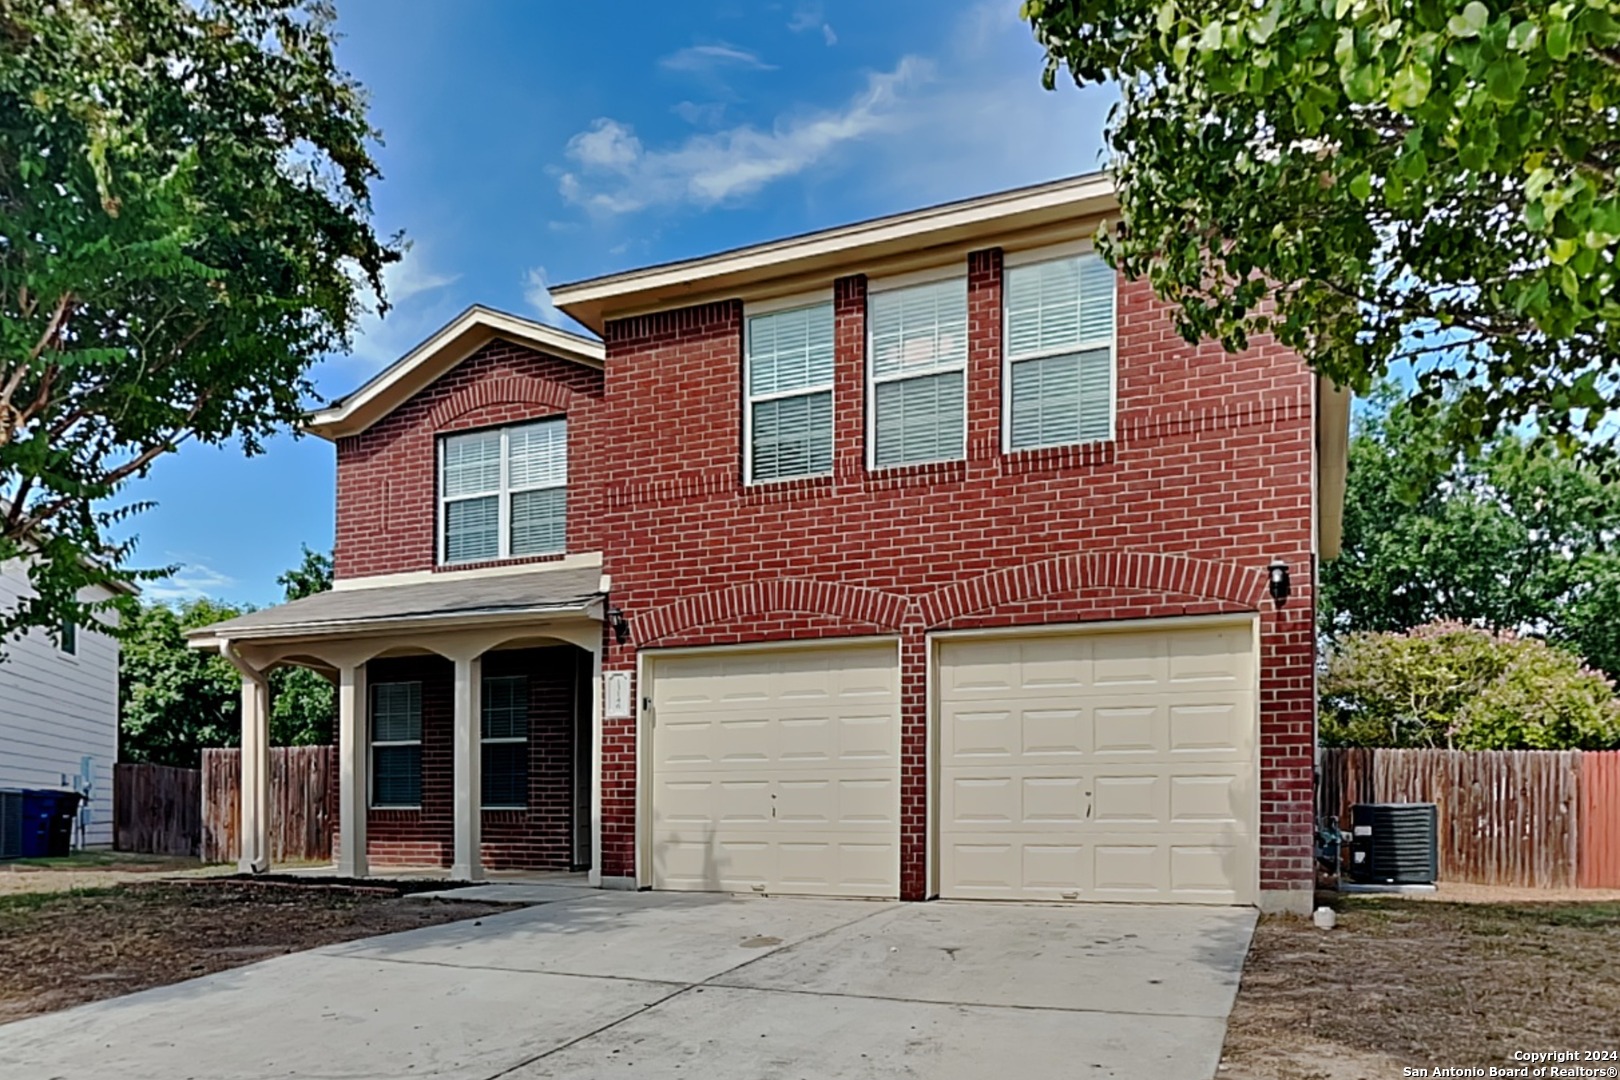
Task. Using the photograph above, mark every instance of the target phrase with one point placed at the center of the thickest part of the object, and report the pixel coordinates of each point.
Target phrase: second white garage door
(1100, 766)
(777, 770)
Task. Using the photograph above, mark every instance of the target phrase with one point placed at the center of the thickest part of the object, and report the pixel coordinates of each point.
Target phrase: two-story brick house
(913, 558)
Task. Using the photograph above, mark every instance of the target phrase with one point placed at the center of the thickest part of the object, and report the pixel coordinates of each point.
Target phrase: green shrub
(1451, 685)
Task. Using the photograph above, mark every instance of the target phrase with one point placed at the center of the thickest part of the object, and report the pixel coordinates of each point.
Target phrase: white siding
(59, 713)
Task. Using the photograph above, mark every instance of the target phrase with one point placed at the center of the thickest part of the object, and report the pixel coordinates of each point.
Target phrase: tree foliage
(1373, 181)
(175, 700)
(1512, 536)
(303, 703)
(1460, 687)
(184, 229)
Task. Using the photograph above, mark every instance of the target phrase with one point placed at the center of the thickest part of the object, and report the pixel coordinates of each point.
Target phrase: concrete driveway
(657, 985)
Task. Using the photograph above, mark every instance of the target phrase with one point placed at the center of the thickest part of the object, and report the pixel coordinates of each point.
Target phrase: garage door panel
(1053, 729)
(982, 733)
(1219, 798)
(873, 802)
(1211, 725)
(1125, 662)
(1130, 799)
(867, 740)
(983, 800)
(1135, 782)
(1124, 726)
(777, 771)
(1053, 800)
(1212, 657)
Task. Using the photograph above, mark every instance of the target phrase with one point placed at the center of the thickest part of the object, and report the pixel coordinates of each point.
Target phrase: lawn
(1424, 984)
(63, 948)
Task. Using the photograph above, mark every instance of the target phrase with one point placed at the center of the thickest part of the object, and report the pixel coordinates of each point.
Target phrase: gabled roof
(459, 339)
(998, 219)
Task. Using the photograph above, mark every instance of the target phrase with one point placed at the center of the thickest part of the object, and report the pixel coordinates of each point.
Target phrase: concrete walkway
(659, 985)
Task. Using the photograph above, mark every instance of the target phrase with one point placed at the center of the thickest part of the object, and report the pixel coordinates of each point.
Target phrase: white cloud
(192, 581)
(707, 114)
(606, 144)
(910, 137)
(420, 301)
(705, 58)
(616, 174)
(537, 293)
(808, 17)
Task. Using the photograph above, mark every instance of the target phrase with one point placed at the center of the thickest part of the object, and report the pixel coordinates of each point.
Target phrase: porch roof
(453, 601)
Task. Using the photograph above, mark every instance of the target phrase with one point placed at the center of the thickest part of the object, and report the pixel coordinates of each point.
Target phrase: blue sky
(529, 142)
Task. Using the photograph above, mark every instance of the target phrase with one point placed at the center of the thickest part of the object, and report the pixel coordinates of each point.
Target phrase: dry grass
(95, 869)
(59, 949)
(1424, 983)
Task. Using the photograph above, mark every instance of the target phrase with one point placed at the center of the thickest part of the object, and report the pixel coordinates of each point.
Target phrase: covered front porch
(468, 719)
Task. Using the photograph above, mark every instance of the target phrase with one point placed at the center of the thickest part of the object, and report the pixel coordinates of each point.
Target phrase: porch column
(594, 877)
(353, 774)
(468, 751)
(255, 833)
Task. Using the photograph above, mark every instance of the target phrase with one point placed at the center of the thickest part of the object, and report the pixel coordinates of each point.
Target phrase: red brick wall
(1207, 479)
(539, 838)
(387, 475)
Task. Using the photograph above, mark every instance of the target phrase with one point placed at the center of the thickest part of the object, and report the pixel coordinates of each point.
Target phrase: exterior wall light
(1278, 581)
(621, 625)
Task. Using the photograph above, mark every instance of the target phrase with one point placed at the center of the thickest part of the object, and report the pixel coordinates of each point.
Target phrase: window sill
(398, 809)
(484, 564)
(1067, 456)
(793, 487)
(927, 472)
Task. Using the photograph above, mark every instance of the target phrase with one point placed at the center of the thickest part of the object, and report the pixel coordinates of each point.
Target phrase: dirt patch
(64, 948)
(1424, 984)
(93, 870)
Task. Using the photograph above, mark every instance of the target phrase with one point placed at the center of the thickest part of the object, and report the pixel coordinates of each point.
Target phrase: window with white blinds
(396, 744)
(918, 369)
(504, 493)
(788, 381)
(1060, 352)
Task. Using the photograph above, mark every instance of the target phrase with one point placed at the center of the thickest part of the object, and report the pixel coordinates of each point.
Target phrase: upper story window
(504, 493)
(1060, 351)
(68, 639)
(918, 370)
(788, 387)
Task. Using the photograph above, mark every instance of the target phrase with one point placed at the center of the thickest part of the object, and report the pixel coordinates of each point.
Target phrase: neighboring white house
(59, 712)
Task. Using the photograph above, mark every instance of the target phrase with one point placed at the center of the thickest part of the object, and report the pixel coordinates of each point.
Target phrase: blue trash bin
(38, 810)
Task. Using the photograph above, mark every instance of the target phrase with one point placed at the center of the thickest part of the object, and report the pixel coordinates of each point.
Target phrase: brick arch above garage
(827, 604)
(1208, 584)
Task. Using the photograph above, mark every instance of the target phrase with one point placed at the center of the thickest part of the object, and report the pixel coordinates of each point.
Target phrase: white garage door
(1100, 766)
(777, 771)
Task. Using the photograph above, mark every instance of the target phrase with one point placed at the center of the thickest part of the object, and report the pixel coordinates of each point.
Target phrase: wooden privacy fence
(303, 803)
(156, 809)
(1543, 819)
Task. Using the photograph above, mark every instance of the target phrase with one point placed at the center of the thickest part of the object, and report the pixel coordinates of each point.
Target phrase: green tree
(174, 700)
(1456, 686)
(1512, 536)
(303, 705)
(185, 206)
(1431, 181)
